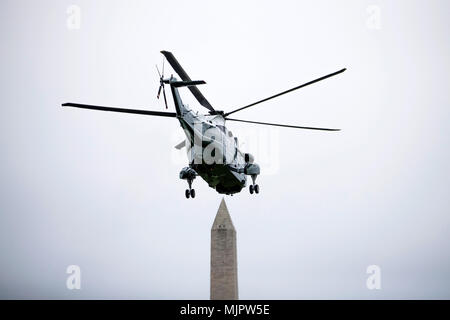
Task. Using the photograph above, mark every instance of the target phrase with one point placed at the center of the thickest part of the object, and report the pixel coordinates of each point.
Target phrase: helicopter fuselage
(213, 153)
(211, 148)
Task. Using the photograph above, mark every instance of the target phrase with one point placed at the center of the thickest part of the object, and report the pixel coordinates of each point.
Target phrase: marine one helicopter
(212, 151)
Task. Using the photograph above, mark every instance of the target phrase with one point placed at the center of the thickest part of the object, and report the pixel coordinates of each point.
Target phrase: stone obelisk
(224, 283)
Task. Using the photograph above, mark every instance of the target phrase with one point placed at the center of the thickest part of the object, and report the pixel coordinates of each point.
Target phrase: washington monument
(224, 283)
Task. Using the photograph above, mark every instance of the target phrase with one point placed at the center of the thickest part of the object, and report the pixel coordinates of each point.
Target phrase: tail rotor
(161, 85)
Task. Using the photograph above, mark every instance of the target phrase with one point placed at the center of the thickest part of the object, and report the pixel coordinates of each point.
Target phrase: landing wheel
(188, 193)
(256, 188)
(192, 193)
(251, 189)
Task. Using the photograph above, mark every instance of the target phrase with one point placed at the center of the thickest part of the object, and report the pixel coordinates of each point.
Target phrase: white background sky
(101, 190)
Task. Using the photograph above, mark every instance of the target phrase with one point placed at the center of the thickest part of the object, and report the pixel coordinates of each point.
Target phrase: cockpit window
(221, 128)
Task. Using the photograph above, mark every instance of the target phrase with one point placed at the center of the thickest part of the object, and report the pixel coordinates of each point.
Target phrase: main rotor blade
(282, 125)
(134, 111)
(184, 76)
(287, 91)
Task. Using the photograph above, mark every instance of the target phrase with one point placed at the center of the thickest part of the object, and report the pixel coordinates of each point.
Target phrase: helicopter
(212, 150)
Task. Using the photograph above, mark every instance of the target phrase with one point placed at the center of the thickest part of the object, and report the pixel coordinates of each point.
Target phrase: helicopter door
(196, 150)
(213, 148)
(230, 148)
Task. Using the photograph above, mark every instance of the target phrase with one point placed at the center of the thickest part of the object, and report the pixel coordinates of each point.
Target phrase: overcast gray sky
(101, 190)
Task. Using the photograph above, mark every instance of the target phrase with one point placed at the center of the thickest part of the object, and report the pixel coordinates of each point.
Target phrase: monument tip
(223, 218)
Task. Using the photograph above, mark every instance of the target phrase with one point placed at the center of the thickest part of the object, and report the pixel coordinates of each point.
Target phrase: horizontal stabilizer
(187, 83)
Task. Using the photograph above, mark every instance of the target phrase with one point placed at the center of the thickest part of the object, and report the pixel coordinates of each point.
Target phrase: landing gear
(190, 193)
(253, 187)
(189, 175)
